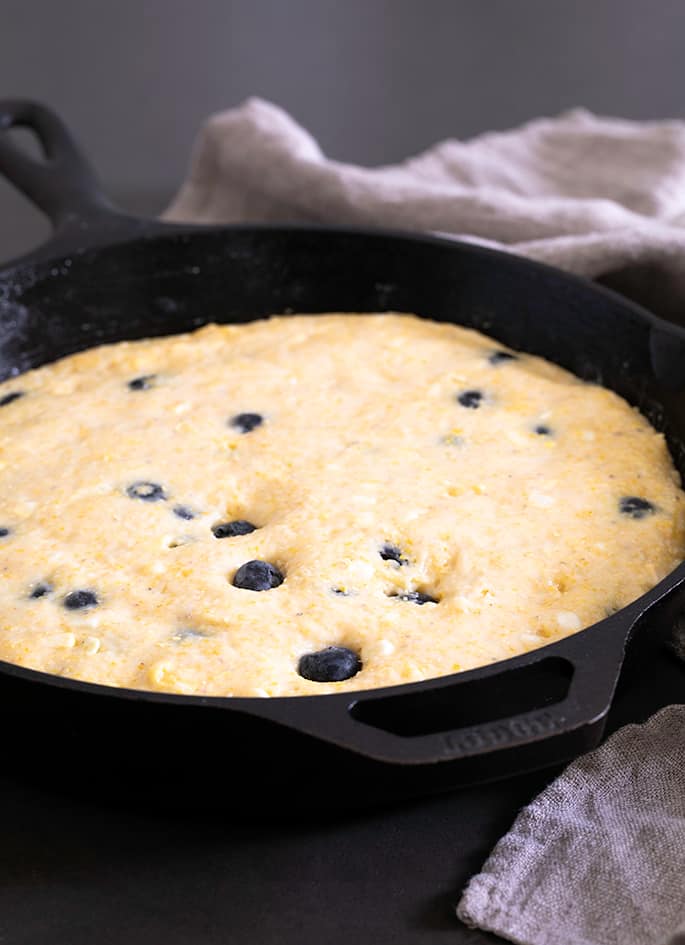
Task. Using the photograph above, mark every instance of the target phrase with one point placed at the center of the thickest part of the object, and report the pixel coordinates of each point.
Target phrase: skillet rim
(117, 230)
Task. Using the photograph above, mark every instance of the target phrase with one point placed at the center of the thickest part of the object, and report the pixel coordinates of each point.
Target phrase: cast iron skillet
(106, 276)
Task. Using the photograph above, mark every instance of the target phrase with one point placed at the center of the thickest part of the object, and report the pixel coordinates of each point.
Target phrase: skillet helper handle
(548, 707)
(63, 184)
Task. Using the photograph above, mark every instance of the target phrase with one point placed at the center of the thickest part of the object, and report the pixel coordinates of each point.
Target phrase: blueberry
(146, 491)
(144, 382)
(4, 532)
(416, 597)
(78, 600)
(390, 552)
(183, 512)
(246, 422)
(332, 664)
(257, 576)
(635, 507)
(471, 398)
(543, 430)
(40, 590)
(10, 398)
(231, 529)
(497, 357)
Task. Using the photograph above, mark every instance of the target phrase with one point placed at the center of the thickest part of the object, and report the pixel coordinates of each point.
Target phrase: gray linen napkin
(599, 857)
(596, 196)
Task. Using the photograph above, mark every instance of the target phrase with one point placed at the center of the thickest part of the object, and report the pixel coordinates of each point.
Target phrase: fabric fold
(585, 193)
(599, 857)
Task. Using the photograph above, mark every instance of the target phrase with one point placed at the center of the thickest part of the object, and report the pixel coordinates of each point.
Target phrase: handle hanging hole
(539, 685)
(28, 142)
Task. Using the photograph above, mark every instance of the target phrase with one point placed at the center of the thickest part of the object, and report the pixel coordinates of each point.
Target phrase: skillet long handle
(63, 184)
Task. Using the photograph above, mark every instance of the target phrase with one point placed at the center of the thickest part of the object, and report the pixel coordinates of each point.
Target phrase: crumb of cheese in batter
(567, 620)
(309, 504)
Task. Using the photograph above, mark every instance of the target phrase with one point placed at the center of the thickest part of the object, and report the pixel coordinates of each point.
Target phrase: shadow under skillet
(78, 869)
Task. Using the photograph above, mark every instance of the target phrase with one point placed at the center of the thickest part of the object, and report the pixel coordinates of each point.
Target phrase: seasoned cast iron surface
(166, 283)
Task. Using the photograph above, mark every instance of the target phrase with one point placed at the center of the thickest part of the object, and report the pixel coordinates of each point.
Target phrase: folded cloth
(596, 196)
(599, 857)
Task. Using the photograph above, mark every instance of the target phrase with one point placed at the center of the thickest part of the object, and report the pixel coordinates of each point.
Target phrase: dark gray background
(374, 80)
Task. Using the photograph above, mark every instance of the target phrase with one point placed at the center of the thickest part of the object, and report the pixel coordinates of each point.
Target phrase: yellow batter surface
(427, 506)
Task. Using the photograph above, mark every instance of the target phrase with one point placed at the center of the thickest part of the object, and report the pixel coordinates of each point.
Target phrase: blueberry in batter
(144, 382)
(246, 422)
(390, 552)
(416, 597)
(332, 664)
(635, 507)
(10, 398)
(146, 492)
(182, 511)
(471, 399)
(257, 576)
(497, 357)
(80, 600)
(232, 529)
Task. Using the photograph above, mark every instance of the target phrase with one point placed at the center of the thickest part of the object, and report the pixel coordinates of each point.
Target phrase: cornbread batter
(308, 504)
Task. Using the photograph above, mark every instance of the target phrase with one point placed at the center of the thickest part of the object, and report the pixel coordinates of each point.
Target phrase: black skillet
(105, 276)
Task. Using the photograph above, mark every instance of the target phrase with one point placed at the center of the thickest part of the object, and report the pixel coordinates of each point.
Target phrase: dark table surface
(77, 872)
